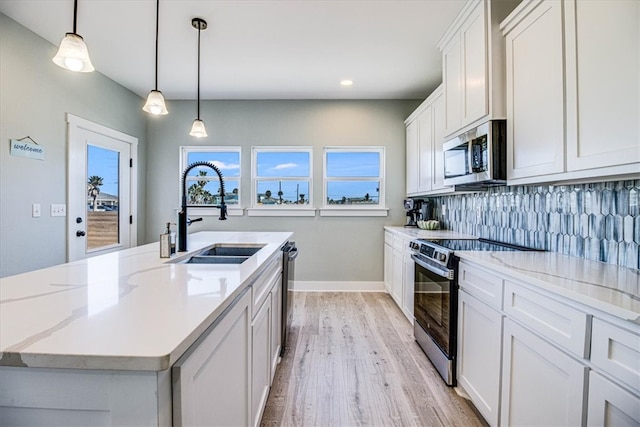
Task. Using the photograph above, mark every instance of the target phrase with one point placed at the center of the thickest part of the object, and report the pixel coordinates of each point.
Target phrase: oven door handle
(440, 271)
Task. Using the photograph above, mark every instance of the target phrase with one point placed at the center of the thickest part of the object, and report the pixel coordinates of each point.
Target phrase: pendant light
(73, 54)
(197, 129)
(155, 101)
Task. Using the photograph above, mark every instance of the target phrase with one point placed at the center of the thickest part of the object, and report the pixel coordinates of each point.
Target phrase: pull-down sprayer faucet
(182, 215)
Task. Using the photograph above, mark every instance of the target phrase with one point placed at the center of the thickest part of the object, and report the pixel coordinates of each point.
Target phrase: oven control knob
(441, 257)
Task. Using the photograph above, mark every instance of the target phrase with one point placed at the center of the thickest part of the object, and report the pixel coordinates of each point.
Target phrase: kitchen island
(94, 341)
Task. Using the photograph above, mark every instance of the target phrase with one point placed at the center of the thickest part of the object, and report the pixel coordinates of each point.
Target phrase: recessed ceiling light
(346, 82)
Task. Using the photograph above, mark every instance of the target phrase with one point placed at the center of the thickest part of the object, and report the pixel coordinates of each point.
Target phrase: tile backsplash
(599, 221)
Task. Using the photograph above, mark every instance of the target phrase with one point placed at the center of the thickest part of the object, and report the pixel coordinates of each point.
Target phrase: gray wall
(35, 96)
(331, 249)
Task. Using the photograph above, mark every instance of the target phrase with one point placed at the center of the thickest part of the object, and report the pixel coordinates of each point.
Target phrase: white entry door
(101, 189)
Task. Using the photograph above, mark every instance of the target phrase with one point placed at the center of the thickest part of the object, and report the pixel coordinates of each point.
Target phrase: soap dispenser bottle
(165, 243)
(172, 240)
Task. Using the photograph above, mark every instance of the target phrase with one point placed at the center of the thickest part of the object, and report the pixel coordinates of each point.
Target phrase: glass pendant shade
(197, 129)
(73, 54)
(155, 104)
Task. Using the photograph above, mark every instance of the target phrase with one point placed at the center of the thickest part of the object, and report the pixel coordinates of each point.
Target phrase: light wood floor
(351, 360)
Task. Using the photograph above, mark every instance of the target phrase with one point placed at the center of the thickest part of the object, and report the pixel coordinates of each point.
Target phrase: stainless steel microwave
(478, 156)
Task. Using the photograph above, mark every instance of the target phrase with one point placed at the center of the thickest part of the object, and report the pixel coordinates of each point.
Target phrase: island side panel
(40, 397)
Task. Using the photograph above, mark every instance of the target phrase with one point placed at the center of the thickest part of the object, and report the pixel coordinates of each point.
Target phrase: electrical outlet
(58, 209)
(35, 210)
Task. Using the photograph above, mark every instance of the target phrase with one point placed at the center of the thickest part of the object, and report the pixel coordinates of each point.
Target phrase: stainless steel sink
(209, 259)
(221, 253)
(243, 251)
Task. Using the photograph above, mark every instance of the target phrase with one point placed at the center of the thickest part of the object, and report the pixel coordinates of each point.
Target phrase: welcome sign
(26, 149)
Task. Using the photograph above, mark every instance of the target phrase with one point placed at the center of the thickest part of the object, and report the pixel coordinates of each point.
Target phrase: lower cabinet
(610, 404)
(276, 325)
(388, 267)
(225, 377)
(527, 356)
(408, 288)
(399, 272)
(211, 385)
(261, 360)
(541, 385)
(397, 276)
(479, 348)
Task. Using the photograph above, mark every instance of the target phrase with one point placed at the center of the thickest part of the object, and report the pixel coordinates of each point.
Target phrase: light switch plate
(58, 209)
(35, 210)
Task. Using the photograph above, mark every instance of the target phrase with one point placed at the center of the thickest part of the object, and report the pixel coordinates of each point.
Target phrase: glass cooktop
(479, 245)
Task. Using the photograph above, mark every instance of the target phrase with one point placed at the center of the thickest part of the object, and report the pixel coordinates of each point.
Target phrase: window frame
(380, 209)
(285, 209)
(235, 209)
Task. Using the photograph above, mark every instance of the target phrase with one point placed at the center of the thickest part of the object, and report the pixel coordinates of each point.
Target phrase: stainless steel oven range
(436, 297)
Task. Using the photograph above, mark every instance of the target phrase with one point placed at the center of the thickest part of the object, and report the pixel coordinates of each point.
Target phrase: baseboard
(317, 286)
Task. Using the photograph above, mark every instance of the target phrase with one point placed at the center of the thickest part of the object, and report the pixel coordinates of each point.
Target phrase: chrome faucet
(182, 215)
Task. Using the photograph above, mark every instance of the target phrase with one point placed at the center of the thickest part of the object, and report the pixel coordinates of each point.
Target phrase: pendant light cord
(75, 15)
(157, 23)
(199, 71)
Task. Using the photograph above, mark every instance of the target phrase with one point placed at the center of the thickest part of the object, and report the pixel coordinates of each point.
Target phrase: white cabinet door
(541, 385)
(425, 149)
(474, 66)
(610, 405)
(276, 325)
(260, 361)
(437, 177)
(407, 285)
(413, 170)
(398, 276)
(453, 79)
(603, 83)
(388, 267)
(535, 92)
(425, 137)
(211, 384)
(479, 349)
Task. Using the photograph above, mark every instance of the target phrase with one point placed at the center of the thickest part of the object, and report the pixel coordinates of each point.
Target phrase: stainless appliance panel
(478, 156)
(290, 253)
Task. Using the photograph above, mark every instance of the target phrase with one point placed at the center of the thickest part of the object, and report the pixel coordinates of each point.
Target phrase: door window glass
(103, 224)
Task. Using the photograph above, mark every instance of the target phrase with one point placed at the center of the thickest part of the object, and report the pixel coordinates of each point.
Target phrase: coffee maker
(417, 210)
(412, 207)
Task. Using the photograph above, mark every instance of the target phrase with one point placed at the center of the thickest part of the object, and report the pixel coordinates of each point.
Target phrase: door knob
(80, 233)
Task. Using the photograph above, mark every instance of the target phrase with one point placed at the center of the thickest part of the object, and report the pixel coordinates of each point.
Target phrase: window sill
(281, 211)
(353, 211)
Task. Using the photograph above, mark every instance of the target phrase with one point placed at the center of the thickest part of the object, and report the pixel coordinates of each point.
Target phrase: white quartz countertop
(128, 310)
(418, 233)
(609, 288)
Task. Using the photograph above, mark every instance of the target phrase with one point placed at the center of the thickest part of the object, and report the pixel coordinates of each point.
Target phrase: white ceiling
(257, 49)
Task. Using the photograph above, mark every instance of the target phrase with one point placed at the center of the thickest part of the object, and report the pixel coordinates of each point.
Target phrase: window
(282, 177)
(354, 179)
(203, 185)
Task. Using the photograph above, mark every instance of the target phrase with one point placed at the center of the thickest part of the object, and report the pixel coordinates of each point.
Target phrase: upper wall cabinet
(425, 136)
(573, 90)
(473, 65)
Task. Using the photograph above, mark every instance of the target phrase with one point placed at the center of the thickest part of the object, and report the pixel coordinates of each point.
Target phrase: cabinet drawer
(388, 238)
(261, 288)
(617, 352)
(481, 284)
(398, 242)
(560, 323)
